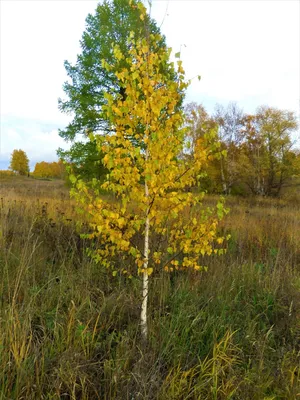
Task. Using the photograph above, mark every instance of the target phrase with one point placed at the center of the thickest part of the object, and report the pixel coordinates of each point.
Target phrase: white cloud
(36, 38)
(242, 49)
(39, 141)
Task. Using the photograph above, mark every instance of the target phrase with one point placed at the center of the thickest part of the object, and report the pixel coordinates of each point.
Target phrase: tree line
(255, 154)
(19, 164)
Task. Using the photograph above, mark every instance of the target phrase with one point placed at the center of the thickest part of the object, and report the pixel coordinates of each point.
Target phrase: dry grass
(69, 330)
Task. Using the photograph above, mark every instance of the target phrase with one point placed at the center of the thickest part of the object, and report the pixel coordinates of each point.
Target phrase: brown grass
(69, 330)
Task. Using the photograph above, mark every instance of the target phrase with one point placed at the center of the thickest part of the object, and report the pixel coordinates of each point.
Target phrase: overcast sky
(245, 51)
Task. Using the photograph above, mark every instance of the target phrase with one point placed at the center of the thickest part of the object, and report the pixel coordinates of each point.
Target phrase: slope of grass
(70, 330)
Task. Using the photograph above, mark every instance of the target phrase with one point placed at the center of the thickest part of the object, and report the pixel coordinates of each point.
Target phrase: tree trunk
(223, 177)
(144, 327)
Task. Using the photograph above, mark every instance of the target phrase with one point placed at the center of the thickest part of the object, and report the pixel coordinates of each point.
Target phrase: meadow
(70, 330)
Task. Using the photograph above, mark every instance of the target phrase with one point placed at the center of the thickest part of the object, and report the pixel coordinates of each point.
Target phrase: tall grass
(70, 330)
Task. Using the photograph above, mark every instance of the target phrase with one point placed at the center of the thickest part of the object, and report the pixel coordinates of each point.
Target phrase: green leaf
(220, 210)
(72, 178)
(154, 136)
(177, 55)
(170, 250)
(188, 233)
(133, 251)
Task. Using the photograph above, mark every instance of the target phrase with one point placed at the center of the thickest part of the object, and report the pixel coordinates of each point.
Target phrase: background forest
(256, 155)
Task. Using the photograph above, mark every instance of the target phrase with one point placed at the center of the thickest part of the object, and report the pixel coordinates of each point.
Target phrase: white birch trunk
(223, 177)
(144, 327)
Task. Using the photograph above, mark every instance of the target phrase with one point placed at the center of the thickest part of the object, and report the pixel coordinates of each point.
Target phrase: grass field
(70, 330)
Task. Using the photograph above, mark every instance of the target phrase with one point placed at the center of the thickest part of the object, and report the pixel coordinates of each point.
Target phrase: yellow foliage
(19, 162)
(49, 170)
(145, 148)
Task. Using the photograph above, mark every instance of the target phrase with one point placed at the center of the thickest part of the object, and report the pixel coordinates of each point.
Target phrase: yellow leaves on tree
(149, 120)
(19, 162)
(147, 175)
(49, 170)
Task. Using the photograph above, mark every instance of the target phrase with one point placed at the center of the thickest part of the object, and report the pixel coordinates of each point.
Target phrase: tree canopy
(49, 170)
(256, 153)
(19, 162)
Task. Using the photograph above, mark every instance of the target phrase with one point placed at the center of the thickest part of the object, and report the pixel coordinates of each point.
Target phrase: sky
(246, 51)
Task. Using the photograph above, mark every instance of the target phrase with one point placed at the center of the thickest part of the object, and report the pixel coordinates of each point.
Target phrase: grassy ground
(70, 330)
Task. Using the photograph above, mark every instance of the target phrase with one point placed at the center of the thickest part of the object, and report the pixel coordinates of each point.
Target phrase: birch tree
(154, 220)
(229, 120)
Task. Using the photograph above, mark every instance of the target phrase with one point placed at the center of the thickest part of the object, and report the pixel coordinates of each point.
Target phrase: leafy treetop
(149, 178)
(19, 162)
(90, 80)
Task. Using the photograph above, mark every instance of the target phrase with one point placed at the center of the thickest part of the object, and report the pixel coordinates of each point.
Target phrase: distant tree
(49, 170)
(6, 173)
(19, 162)
(89, 80)
(200, 125)
(276, 127)
(229, 120)
(251, 167)
(42, 170)
(268, 160)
